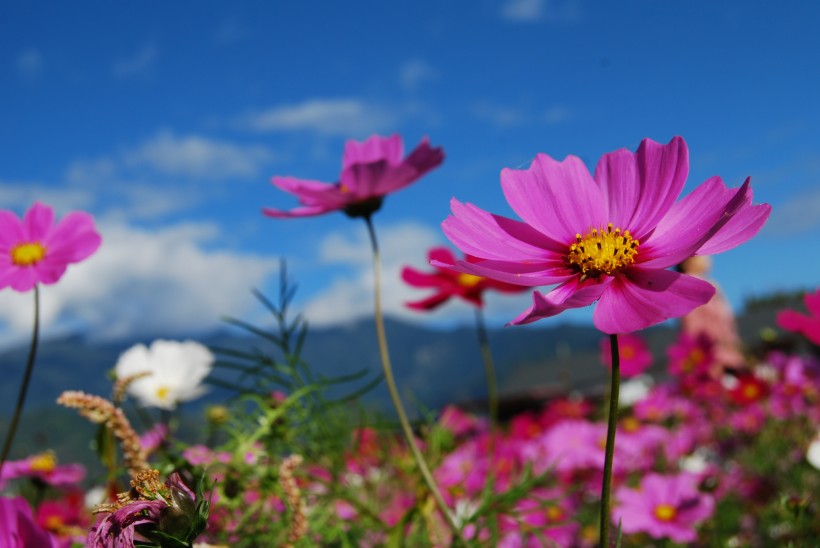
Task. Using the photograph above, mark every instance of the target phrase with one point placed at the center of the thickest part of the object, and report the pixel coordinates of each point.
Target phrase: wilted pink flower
(610, 237)
(449, 283)
(635, 357)
(17, 526)
(663, 507)
(44, 467)
(807, 325)
(370, 170)
(36, 250)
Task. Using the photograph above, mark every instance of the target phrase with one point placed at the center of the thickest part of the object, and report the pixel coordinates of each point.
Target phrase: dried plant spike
(102, 411)
(299, 524)
(121, 385)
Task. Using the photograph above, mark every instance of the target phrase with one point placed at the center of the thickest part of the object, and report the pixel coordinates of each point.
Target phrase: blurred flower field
(721, 450)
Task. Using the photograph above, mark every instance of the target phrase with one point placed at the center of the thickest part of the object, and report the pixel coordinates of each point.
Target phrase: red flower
(450, 283)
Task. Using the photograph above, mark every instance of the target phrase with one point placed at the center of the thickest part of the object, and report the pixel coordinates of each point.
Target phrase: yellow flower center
(162, 392)
(27, 254)
(751, 391)
(630, 424)
(54, 523)
(44, 462)
(468, 280)
(554, 513)
(602, 251)
(665, 512)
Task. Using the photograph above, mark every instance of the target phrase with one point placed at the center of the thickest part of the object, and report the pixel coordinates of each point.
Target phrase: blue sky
(166, 120)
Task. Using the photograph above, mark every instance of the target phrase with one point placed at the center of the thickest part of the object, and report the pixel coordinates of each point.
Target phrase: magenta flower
(635, 356)
(664, 507)
(807, 325)
(370, 170)
(36, 250)
(610, 237)
(17, 526)
(44, 467)
(449, 283)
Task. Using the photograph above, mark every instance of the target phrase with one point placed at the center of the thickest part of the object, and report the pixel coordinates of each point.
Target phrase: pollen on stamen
(602, 251)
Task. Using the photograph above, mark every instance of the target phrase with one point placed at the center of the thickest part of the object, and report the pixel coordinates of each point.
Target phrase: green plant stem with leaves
(394, 393)
(612, 424)
(21, 396)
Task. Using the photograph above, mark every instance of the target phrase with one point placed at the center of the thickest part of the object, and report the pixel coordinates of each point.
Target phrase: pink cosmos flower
(44, 467)
(36, 250)
(449, 283)
(370, 170)
(663, 507)
(691, 355)
(635, 357)
(808, 325)
(610, 237)
(17, 526)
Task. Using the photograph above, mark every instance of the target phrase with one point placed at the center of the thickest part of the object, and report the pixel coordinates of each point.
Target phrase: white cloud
(557, 114)
(551, 11)
(797, 215)
(138, 65)
(416, 72)
(499, 115)
(20, 195)
(145, 282)
(347, 117)
(350, 298)
(30, 63)
(199, 157)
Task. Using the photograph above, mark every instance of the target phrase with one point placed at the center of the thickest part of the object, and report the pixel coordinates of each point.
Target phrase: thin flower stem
(612, 425)
(21, 396)
(489, 366)
(394, 393)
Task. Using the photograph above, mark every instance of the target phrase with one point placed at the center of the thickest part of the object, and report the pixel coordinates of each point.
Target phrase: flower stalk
(612, 424)
(489, 366)
(21, 395)
(394, 393)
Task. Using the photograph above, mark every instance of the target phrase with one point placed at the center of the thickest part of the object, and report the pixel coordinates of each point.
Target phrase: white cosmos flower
(175, 372)
(813, 452)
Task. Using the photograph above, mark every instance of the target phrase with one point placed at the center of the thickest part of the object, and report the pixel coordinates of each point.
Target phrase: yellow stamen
(27, 254)
(630, 424)
(468, 280)
(602, 251)
(44, 462)
(54, 523)
(554, 513)
(162, 392)
(665, 512)
(751, 391)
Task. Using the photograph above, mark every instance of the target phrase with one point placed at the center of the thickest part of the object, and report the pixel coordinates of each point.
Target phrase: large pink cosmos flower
(18, 528)
(809, 326)
(370, 170)
(664, 507)
(610, 237)
(36, 250)
(448, 283)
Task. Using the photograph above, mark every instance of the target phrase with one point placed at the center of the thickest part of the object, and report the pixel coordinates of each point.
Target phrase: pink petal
(73, 239)
(441, 254)
(640, 298)
(571, 294)
(37, 222)
(11, 231)
(430, 302)
(559, 199)
(375, 148)
(516, 273)
(22, 279)
(691, 223)
(314, 193)
(416, 278)
(812, 301)
(640, 188)
(307, 211)
(482, 234)
(740, 228)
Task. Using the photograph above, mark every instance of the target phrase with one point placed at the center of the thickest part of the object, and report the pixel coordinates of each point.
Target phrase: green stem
(612, 425)
(394, 393)
(489, 366)
(21, 396)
